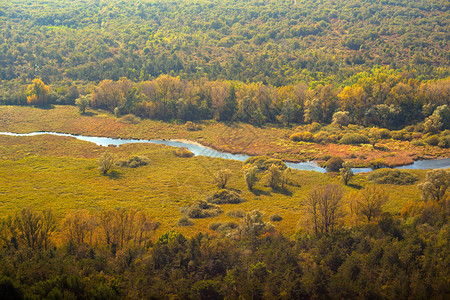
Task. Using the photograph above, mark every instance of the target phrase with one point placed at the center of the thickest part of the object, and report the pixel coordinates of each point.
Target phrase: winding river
(198, 149)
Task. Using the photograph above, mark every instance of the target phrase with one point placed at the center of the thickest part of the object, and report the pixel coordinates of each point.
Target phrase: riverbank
(236, 138)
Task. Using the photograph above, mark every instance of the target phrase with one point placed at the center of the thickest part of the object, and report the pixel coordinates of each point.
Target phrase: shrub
(418, 143)
(224, 196)
(134, 161)
(214, 225)
(385, 133)
(444, 142)
(237, 213)
(377, 163)
(183, 152)
(334, 164)
(221, 178)
(201, 209)
(185, 221)
(432, 140)
(192, 126)
(302, 137)
(402, 135)
(354, 139)
(275, 218)
(250, 176)
(390, 176)
(314, 126)
(106, 162)
(223, 228)
(321, 136)
(130, 119)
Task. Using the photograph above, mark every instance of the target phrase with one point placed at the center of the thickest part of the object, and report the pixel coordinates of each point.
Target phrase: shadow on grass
(258, 192)
(114, 175)
(283, 191)
(45, 107)
(89, 114)
(354, 186)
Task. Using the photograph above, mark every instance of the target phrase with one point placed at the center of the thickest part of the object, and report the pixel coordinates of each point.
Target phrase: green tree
(346, 172)
(82, 103)
(250, 175)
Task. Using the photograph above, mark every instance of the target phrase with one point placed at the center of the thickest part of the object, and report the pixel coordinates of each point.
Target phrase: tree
(82, 103)
(324, 207)
(374, 135)
(37, 92)
(346, 172)
(334, 164)
(221, 178)
(273, 176)
(369, 202)
(341, 118)
(435, 185)
(250, 175)
(106, 162)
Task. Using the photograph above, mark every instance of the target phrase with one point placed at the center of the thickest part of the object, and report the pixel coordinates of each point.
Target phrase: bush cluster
(134, 161)
(390, 176)
(224, 196)
(263, 163)
(201, 210)
(183, 152)
(354, 139)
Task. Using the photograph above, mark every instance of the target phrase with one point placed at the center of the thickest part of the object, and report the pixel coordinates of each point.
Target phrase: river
(206, 151)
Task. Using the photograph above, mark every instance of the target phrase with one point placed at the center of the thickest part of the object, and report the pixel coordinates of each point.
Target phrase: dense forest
(299, 45)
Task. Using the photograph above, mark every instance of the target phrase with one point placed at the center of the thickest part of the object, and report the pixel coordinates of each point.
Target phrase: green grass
(61, 173)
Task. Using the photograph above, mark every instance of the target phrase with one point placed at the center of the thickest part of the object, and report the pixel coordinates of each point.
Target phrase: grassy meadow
(61, 173)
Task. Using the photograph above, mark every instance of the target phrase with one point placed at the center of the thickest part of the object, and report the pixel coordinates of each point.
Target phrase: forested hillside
(277, 42)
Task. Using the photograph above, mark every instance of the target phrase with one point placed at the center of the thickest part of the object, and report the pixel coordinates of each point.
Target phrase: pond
(205, 151)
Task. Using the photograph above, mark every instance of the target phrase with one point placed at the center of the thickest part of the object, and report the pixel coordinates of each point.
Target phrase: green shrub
(321, 136)
(225, 196)
(401, 135)
(183, 152)
(385, 133)
(263, 163)
(354, 139)
(214, 225)
(223, 227)
(377, 163)
(314, 126)
(185, 221)
(134, 161)
(302, 137)
(444, 142)
(130, 119)
(432, 140)
(390, 176)
(418, 143)
(201, 210)
(192, 126)
(334, 164)
(236, 213)
(275, 218)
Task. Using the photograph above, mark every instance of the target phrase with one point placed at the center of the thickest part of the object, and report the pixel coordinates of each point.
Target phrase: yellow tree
(37, 93)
